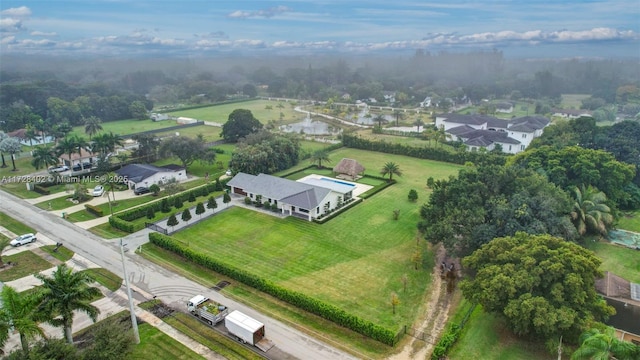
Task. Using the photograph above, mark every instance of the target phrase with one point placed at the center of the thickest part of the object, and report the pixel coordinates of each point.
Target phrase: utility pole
(134, 321)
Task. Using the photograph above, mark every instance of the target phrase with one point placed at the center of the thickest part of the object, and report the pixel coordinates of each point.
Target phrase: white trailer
(247, 330)
(206, 309)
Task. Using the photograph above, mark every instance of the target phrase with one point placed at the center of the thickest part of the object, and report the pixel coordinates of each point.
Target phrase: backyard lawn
(154, 344)
(620, 260)
(359, 257)
(124, 127)
(220, 113)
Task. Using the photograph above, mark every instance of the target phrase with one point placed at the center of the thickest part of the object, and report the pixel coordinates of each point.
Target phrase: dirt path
(434, 318)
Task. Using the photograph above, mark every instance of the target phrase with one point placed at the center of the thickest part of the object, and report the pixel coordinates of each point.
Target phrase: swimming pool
(623, 237)
(338, 182)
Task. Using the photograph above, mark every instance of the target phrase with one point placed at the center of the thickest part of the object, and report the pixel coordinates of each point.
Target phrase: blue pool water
(338, 182)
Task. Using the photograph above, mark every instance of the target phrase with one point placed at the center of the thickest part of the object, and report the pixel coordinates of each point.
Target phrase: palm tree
(604, 345)
(30, 134)
(319, 156)
(92, 126)
(590, 214)
(380, 119)
(399, 115)
(65, 292)
(12, 146)
(3, 136)
(66, 146)
(418, 123)
(19, 312)
(43, 157)
(441, 135)
(81, 143)
(390, 168)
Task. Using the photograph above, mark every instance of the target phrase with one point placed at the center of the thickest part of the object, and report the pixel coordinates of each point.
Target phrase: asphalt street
(152, 280)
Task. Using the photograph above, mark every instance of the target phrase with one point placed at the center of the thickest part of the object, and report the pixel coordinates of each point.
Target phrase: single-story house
(348, 167)
(39, 137)
(306, 199)
(147, 175)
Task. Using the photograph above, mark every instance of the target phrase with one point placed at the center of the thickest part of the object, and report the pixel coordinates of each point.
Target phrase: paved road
(153, 280)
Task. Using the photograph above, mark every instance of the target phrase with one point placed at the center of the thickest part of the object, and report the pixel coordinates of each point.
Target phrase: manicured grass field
(154, 344)
(209, 133)
(63, 254)
(14, 225)
(105, 278)
(220, 113)
(27, 263)
(630, 221)
(486, 337)
(620, 260)
(124, 127)
(354, 261)
(572, 101)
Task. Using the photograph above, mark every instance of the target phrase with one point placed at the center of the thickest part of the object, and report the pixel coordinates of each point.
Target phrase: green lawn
(106, 231)
(209, 133)
(619, 260)
(27, 263)
(486, 337)
(124, 127)
(301, 255)
(220, 113)
(105, 278)
(630, 221)
(154, 344)
(572, 101)
(63, 254)
(14, 225)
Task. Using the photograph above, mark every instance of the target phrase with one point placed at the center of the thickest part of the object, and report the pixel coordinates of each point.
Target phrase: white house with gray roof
(482, 131)
(306, 199)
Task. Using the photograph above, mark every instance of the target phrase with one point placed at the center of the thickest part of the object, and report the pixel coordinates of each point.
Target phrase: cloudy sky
(534, 28)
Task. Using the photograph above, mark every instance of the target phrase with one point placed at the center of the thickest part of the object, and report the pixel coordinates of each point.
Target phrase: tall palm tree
(65, 292)
(19, 312)
(319, 156)
(30, 134)
(11, 146)
(81, 143)
(418, 123)
(3, 136)
(441, 135)
(390, 168)
(43, 157)
(66, 146)
(380, 119)
(590, 214)
(604, 345)
(92, 126)
(399, 115)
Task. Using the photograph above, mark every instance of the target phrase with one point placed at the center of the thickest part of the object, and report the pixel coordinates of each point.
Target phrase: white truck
(206, 309)
(247, 330)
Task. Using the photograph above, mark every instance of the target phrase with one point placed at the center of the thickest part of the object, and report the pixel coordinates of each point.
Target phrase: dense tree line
(486, 202)
(265, 152)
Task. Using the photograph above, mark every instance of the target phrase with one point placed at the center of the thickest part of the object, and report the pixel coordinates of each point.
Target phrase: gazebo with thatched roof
(348, 169)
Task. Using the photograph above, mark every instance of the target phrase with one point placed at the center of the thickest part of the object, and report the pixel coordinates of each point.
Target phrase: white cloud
(10, 25)
(19, 12)
(42, 33)
(265, 13)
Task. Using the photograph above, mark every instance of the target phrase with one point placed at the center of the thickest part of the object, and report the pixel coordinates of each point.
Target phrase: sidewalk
(112, 303)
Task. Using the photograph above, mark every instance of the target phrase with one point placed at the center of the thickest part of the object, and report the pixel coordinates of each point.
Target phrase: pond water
(627, 317)
(310, 127)
(626, 238)
(366, 118)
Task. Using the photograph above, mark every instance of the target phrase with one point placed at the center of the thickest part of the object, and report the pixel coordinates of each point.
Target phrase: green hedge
(94, 210)
(305, 302)
(431, 153)
(41, 190)
(446, 342)
(124, 218)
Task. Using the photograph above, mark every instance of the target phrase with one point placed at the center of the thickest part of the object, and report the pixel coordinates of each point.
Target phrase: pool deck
(359, 188)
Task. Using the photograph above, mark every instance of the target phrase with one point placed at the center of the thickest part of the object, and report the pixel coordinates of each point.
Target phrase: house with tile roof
(307, 199)
(478, 131)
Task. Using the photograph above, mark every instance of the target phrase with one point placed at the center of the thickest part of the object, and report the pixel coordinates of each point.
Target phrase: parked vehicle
(206, 309)
(247, 330)
(98, 190)
(59, 169)
(23, 239)
(139, 190)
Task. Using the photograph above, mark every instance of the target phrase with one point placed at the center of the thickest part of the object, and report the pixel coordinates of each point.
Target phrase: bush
(150, 213)
(192, 195)
(164, 206)
(94, 210)
(274, 207)
(446, 342)
(303, 301)
(247, 200)
(177, 202)
(41, 190)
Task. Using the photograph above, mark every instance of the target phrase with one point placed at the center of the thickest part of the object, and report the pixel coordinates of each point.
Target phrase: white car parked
(98, 190)
(23, 239)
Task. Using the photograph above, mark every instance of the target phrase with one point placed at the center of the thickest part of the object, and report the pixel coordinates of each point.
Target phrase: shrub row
(302, 301)
(41, 190)
(324, 218)
(446, 342)
(94, 210)
(124, 225)
(431, 153)
(377, 189)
